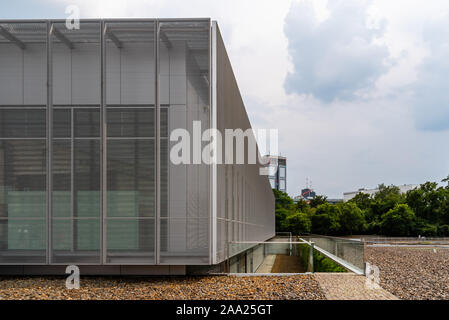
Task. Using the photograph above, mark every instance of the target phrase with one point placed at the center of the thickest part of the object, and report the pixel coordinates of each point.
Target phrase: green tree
(298, 223)
(427, 201)
(317, 201)
(283, 200)
(352, 218)
(284, 208)
(384, 200)
(362, 200)
(398, 221)
(446, 180)
(302, 205)
(325, 220)
(444, 217)
(281, 216)
(386, 193)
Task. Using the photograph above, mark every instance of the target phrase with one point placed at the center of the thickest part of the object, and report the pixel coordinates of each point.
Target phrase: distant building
(311, 195)
(278, 172)
(308, 194)
(334, 201)
(403, 188)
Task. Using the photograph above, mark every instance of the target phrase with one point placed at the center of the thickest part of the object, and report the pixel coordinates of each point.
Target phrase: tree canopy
(421, 211)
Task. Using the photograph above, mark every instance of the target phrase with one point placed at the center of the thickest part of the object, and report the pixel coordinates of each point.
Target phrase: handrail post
(311, 266)
(290, 246)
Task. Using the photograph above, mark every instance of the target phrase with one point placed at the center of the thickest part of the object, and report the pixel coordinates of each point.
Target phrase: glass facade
(23, 145)
(185, 94)
(84, 160)
(75, 144)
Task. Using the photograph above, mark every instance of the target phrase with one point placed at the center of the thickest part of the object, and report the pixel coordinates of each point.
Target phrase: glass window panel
(164, 178)
(62, 234)
(87, 122)
(76, 201)
(85, 232)
(22, 123)
(61, 170)
(88, 235)
(25, 234)
(130, 180)
(87, 178)
(76, 240)
(22, 178)
(185, 93)
(164, 122)
(61, 123)
(130, 240)
(130, 122)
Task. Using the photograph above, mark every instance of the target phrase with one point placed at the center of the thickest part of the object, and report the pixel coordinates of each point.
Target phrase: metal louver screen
(22, 201)
(97, 202)
(184, 50)
(131, 150)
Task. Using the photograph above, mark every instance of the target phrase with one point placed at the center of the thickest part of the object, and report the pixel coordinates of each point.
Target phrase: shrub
(324, 264)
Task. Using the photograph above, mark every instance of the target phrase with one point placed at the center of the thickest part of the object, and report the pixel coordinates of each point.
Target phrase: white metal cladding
(245, 201)
(85, 176)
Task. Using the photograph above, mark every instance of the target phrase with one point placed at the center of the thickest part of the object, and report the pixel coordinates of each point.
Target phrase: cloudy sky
(359, 90)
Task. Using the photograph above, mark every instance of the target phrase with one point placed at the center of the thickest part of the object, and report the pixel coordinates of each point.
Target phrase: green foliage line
(422, 211)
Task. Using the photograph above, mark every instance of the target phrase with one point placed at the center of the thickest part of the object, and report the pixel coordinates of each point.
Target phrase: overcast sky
(359, 90)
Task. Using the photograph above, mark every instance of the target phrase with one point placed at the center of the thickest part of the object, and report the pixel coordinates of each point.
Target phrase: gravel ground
(412, 273)
(298, 287)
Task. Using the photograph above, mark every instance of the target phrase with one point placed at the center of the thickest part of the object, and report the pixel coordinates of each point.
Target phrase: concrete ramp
(267, 264)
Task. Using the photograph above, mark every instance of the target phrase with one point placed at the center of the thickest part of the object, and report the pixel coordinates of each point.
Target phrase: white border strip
(213, 109)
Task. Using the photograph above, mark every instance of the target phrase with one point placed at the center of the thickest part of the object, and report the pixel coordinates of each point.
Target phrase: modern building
(308, 194)
(85, 173)
(278, 172)
(403, 189)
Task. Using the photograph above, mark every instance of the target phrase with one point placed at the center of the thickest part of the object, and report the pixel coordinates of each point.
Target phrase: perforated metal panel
(131, 150)
(22, 201)
(75, 145)
(95, 131)
(184, 74)
(245, 201)
(23, 150)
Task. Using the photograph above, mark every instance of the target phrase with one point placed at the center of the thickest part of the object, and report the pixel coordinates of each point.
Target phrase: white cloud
(430, 97)
(253, 34)
(342, 145)
(337, 57)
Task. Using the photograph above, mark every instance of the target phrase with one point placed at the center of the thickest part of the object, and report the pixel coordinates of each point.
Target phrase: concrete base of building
(130, 270)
